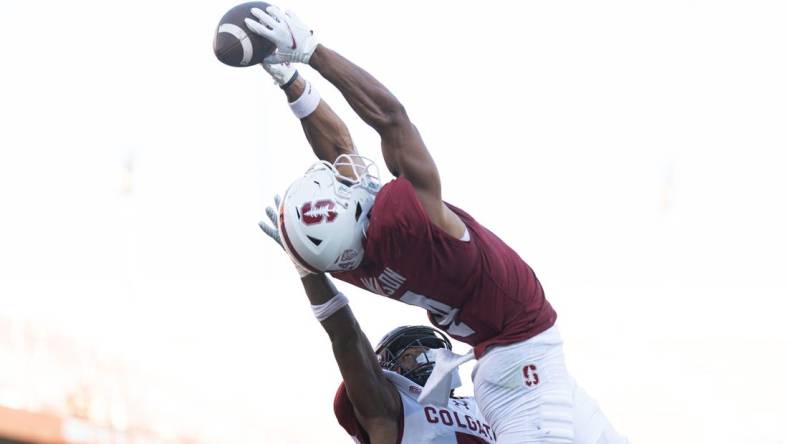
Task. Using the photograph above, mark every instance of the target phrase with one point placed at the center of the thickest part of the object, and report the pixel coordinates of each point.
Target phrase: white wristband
(307, 103)
(323, 311)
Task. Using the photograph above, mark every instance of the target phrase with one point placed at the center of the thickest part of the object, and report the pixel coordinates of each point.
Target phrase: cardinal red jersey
(478, 291)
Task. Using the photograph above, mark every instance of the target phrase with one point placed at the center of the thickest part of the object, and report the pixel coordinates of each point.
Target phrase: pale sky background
(634, 153)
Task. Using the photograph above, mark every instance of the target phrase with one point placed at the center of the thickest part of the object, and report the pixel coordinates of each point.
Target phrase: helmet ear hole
(358, 211)
(315, 240)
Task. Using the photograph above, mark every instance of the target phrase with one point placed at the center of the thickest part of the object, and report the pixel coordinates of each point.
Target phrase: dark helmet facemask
(398, 342)
(425, 363)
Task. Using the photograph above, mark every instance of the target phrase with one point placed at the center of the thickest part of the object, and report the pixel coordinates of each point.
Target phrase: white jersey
(460, 422)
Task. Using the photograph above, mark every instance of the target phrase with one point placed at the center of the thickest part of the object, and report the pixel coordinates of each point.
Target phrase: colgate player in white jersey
(403, 242)
(377, 400)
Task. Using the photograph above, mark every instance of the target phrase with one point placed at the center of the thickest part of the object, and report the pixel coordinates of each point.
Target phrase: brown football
(234, 44)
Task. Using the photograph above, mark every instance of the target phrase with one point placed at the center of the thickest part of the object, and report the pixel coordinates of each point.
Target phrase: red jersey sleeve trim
(401, 424)
(343, 410)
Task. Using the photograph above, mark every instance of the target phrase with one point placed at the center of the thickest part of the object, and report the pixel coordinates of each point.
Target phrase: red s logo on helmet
(322, 210)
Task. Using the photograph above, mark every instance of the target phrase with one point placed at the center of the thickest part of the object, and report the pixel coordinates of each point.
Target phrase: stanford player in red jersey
(404, 242)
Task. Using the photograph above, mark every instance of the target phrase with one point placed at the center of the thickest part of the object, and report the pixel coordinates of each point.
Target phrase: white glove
(282, 73)
(273, 232)
(294, 41)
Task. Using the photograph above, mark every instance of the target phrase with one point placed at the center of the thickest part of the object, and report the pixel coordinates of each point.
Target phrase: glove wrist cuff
(306, 55)
(302, 272)
(287, 84)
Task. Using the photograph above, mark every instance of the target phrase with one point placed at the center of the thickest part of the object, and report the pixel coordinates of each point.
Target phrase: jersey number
(442, 314)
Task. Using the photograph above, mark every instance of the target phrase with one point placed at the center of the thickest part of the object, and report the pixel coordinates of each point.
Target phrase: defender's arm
(375, 400)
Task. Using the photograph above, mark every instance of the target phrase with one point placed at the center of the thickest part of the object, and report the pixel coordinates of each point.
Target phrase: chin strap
(444, 378)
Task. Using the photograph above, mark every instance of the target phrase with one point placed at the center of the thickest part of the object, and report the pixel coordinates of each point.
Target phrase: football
(234, 44)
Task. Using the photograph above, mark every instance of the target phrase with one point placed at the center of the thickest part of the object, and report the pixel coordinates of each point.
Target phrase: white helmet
(324, 215)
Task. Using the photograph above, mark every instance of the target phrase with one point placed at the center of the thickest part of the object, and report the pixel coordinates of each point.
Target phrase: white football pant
(528, 397)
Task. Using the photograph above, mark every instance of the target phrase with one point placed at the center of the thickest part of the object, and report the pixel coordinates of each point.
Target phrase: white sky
(633, 152)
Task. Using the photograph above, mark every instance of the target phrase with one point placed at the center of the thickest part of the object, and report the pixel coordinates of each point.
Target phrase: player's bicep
(406, 155)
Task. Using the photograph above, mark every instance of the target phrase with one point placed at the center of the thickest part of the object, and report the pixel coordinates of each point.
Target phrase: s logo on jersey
(322, 210)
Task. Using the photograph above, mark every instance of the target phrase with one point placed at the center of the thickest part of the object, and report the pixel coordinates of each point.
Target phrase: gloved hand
(282, 73)
(294, 41)
(272, 231)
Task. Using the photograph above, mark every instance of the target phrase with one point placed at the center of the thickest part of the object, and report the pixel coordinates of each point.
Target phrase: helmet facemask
(411, 352)
(353, 170)
(350, 172)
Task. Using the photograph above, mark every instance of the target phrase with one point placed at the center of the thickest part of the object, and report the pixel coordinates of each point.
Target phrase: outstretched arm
(375, 400)
(326, 132)
(403, 148)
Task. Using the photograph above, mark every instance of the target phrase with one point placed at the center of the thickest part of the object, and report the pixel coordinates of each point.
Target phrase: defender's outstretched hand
(272, 230)
(295, 42)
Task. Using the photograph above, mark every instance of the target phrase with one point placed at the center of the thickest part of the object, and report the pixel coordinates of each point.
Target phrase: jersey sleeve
(396, 216)
(400, 216)
(343, 409)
